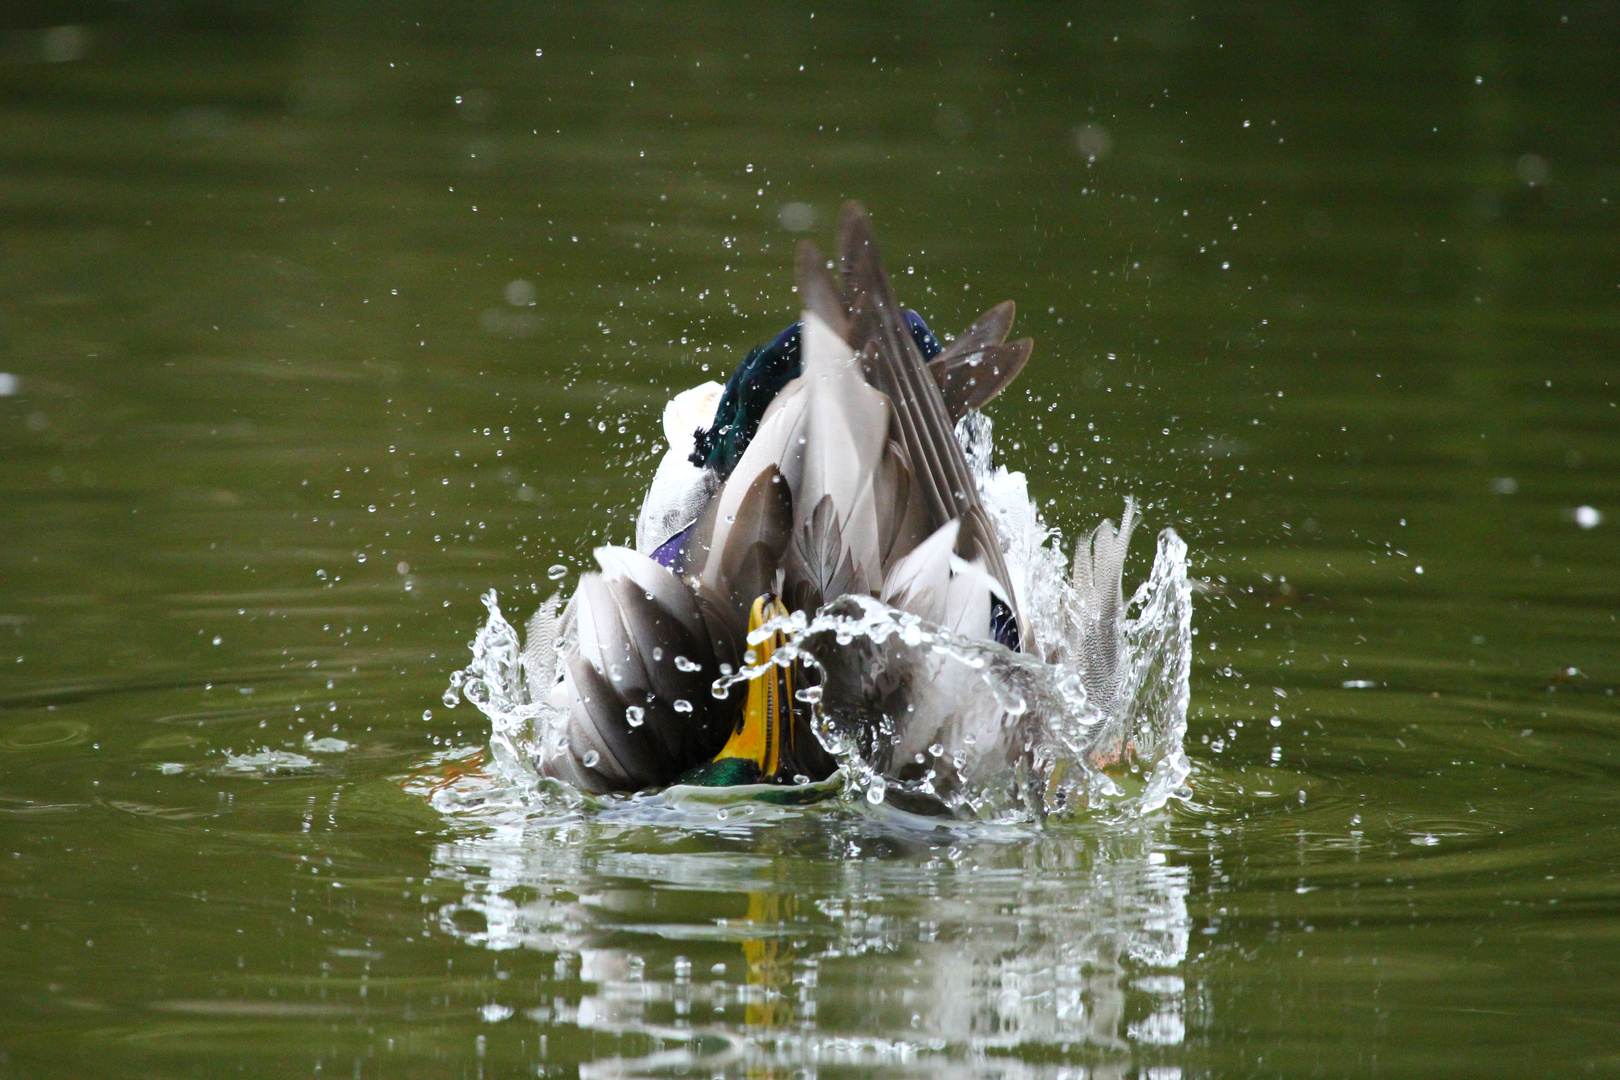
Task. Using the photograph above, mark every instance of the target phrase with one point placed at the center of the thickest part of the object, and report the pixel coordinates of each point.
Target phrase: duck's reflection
(826, 950)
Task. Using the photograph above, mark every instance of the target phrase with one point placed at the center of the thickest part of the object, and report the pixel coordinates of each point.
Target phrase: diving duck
(826, 474)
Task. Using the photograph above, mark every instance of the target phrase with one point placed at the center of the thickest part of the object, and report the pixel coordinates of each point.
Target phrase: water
(251, 496)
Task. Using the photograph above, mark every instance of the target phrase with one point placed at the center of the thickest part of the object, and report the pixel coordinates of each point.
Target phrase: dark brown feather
(970, 380)
(987, 330)
(745, 565)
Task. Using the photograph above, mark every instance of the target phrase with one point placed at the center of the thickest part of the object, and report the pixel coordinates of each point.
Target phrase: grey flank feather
(673, 501)
(539, 658)
(1097, 619)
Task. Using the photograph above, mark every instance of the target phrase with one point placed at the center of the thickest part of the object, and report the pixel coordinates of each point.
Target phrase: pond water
(317, 321)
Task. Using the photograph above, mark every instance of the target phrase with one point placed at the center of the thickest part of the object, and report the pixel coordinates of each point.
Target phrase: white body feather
(679, 490)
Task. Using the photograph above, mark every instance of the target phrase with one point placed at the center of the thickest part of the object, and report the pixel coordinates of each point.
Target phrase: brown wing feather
(744, 561)
(971, 380)
(987, 330)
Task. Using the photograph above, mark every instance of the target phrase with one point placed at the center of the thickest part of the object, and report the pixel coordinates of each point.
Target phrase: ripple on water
(44, 734)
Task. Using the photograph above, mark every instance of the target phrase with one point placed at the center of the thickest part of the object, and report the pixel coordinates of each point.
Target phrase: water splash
(1090, 719)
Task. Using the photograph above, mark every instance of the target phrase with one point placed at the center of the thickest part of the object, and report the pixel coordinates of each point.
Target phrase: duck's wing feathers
(819, 296)
(892, 363)
(753, 518)
(827, 437)
(636, 681)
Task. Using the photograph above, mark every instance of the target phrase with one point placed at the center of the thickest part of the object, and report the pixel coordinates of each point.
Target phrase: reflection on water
(837, 938)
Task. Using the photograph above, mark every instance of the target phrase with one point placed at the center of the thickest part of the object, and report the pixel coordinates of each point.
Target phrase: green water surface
(317, 320)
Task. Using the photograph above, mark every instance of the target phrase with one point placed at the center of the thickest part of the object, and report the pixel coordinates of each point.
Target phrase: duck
(825, 479)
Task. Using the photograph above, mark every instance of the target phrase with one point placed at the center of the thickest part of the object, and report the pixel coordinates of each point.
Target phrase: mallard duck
(821, 492)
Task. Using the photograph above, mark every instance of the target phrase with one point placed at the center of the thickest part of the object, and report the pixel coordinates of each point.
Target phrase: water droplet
(658, 652)
(681, 705)
(875, 790)
(936, 749)
(427, 714)
(635, 715)
(557, 572)
(451, 698)
(684, 664)
(591, 758)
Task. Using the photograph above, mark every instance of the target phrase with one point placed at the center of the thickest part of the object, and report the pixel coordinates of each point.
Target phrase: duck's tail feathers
(636, 683)
(817, 293)
(1097, 619)
(892, 363)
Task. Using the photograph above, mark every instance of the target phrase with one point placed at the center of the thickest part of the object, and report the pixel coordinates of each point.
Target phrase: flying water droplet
(591, 758)
(557, 572)
(683, 664)
(681, 705)
(635, 715)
